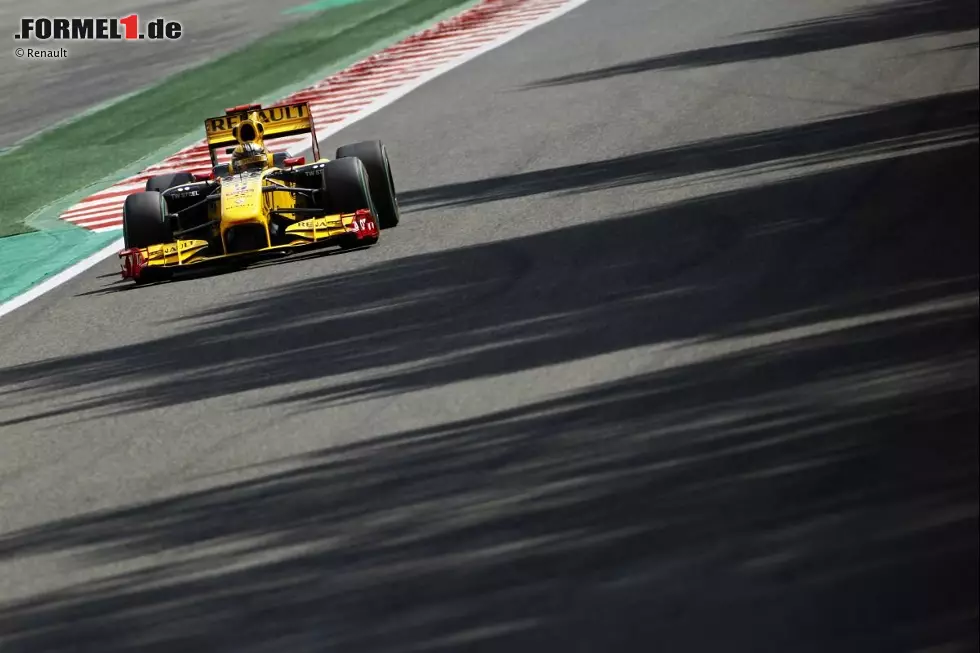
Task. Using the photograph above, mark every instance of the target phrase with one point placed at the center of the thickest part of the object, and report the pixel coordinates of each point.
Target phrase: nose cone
(241, 200)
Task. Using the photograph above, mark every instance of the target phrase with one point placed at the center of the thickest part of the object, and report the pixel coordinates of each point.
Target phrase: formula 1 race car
(258, 202)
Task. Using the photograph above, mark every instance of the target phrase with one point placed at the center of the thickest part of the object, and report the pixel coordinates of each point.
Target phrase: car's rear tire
(374, 156)
(160, 183)
(144, 220)
(346, 190)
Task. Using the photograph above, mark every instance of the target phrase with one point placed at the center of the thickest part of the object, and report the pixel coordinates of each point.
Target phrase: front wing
(184, 253)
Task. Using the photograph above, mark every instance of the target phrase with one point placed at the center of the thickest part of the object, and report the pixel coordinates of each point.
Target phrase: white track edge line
(53, 282)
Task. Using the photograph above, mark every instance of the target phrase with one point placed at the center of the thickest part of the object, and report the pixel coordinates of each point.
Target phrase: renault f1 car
(258, 202)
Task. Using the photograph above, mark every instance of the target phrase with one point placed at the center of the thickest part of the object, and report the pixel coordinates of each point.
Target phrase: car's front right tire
(145, 220)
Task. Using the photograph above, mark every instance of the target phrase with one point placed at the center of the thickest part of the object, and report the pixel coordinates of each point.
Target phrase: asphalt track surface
(39, 92)
(676, 349)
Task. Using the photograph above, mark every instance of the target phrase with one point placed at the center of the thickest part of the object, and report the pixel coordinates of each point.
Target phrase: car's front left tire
(346, 190)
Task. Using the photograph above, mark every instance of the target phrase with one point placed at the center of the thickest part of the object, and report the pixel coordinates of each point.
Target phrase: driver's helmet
(249, 156)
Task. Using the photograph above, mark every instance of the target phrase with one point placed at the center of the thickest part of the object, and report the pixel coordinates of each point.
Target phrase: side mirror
(294, 161)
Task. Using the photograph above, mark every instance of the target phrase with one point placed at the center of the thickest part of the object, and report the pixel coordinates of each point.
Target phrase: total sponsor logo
(126, 28)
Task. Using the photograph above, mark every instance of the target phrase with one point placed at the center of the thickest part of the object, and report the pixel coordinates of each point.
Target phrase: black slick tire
(374, 156)
(144, 220)
(345, 190)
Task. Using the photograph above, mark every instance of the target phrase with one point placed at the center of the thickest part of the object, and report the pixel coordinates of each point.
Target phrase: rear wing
(275, 122)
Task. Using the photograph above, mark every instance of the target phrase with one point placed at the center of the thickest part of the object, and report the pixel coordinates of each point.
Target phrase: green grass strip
(318, 5)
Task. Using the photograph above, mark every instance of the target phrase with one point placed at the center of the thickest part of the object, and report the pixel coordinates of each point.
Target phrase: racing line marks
(353, 93)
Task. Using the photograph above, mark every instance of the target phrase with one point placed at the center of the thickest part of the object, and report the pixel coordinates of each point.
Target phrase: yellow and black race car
(258, 202)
